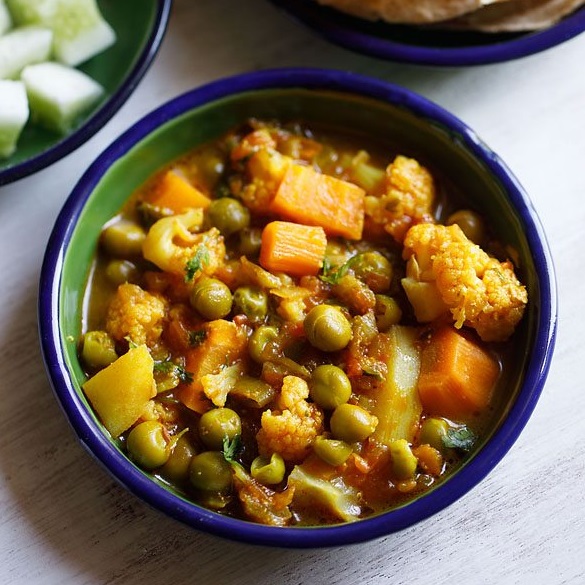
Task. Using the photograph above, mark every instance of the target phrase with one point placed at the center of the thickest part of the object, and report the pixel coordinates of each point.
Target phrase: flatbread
(407, 11)
(516, 16)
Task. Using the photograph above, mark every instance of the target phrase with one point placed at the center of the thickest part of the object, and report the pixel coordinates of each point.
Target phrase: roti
(517, 15)
(408, 11)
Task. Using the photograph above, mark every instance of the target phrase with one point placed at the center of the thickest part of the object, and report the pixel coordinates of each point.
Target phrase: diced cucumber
(5, 18)
(80, 32)
(30, 11)
(79, 28)
(59, 94)
(13, 114)
(21, 47)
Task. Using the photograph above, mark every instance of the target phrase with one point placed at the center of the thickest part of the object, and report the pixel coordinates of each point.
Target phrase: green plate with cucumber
(66, 67)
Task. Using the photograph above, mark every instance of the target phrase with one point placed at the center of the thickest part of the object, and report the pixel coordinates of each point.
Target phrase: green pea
(327, 328)
(252, 302)
(352, 423)
(211, 298)
(332, 451)
(250, 242)
(262, 336)
(98, 350)
(404, 461)
(228, 215)
(471, 224)
(177, 467)
(329, 386)
(387, 312)
(147, 444)
(212, 167)
(218, 425)
(432, 432)
(121, 271)
(268, 471)
(210, 472)
(123, 239)
(374, 269)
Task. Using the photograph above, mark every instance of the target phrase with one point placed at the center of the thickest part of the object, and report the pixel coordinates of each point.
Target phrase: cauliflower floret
(174, 248)
(136, 314)
(291, 431)
(266, 169)
(217, 386)
(479, 291)
(408, 198)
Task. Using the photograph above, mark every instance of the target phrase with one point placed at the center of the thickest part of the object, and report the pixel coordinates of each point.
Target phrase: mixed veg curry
(292, 330)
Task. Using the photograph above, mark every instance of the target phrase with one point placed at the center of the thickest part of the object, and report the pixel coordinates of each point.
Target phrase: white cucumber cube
(13, 114)
(31, 11)
(5, 18)
(58, 95)
(85, 45)
(78, 25)
(21, 47)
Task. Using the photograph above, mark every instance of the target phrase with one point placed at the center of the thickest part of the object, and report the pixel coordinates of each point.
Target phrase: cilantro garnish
(197, 337)
(173, 369)
(333, 275)
(461, 438)
(231, 448)
(185, 376)
(199, 260)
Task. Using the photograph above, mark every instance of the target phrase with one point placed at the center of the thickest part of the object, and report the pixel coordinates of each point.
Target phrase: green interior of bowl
(431, 143)
(133, 21)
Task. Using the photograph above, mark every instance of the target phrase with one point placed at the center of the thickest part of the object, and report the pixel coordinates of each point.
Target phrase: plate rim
(101, 116)
(314, 16)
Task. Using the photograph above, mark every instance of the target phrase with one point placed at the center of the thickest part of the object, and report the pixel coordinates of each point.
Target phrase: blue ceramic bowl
(411, 44)
(372, 108)
(140, 26)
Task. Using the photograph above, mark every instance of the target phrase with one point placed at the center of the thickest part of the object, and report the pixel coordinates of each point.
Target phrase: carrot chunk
(175, 193)
(311, 198)
(224, 344)
(457, 376)
(295, 249)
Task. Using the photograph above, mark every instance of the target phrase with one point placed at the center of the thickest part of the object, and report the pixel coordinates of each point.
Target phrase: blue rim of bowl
(103, 114)
(158, 497)
(351, 33)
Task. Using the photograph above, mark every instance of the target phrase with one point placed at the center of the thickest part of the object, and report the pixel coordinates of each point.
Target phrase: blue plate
(425, 46)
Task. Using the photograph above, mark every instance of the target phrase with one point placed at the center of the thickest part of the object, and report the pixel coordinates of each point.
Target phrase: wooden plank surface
(64, 520)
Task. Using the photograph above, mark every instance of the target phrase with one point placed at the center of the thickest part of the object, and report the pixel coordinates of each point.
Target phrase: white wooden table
(64, 521)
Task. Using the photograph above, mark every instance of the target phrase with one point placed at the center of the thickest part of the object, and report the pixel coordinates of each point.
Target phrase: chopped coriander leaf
(461, 438)
(196, 263)
(185, 376)
(197, 337)
(231, 448)
(173, 369)
(334, 275)
(164, 367)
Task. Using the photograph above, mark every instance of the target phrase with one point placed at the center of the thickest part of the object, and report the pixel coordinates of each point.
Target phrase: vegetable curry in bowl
(296, 327)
